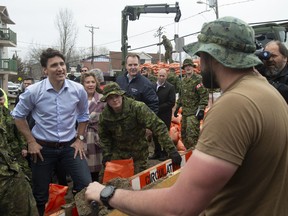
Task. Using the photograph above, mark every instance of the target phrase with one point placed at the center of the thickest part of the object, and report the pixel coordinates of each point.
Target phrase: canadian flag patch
(199, 85)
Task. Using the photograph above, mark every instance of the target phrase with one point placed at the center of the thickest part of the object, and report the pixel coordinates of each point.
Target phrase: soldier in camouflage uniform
(168, 49)
(122, 129)
(193, 99)
(174, 80)
(16, 194)
(17, 145)
(148, 74)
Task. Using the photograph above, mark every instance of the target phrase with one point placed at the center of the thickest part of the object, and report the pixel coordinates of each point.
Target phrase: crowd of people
(77, 125)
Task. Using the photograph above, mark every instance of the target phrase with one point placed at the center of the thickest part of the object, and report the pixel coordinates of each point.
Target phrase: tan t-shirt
(248, 126)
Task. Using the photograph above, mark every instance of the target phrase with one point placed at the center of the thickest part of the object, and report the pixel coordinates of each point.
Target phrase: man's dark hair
(29, 78)
(49, 53)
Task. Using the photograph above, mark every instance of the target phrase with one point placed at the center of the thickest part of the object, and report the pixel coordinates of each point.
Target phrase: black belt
(55, 144)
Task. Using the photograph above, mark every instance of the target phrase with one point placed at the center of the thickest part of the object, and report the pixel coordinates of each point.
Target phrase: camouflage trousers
(25, 168)
(168, 56)
(16, 196)
(190, 128)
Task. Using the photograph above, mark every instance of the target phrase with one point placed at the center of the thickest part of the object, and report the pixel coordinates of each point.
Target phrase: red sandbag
(118, 168)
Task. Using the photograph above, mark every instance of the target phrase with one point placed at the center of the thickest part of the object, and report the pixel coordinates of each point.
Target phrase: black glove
(106, 159)
(200, 114)
(176, 112)
(176, 158)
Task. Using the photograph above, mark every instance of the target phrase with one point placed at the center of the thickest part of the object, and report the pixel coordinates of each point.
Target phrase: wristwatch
(106, 195)
(80, 137)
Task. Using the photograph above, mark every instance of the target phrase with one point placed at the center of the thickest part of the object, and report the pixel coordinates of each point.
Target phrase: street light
(212, 4)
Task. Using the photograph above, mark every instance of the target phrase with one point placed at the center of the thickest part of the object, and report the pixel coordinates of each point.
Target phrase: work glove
(176, 158)
(176, 112)
(106, 159)
(200, 114)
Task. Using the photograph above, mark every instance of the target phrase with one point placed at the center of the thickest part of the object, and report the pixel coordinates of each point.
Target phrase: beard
(272, 71)
(208, 74)
(273, 68)
(209, 79)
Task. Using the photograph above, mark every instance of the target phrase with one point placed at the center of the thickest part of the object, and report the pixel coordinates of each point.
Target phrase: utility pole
(158, 34)
(214, 4)
(92, 32)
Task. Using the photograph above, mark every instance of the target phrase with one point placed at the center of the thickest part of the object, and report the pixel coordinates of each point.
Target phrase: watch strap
(105, 200)
(80, 137)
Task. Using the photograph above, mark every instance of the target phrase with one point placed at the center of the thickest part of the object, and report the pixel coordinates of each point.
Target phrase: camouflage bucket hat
(229, 40)
(188, 62)
(110, 89)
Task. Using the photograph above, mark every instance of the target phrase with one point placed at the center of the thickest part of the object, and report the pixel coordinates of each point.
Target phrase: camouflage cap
(188, 61)
(229, 40)
(110, 89)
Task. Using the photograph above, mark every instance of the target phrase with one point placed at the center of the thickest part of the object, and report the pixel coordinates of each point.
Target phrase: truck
(272, 30)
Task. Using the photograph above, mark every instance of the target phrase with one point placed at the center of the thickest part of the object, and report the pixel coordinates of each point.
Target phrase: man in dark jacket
(137, 86)
(166, 95)
(276, 67)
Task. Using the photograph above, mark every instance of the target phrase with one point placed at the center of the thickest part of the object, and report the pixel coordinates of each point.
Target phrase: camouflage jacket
(123, 134)
(8, 165)
(15, 140)
(152, 78)
(174, 80)
(192, 95)
(167, 44)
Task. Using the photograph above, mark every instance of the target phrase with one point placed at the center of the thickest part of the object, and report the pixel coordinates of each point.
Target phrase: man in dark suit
(166, 95)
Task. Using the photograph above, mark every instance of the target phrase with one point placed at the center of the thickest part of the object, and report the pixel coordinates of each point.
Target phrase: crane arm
(133, 12)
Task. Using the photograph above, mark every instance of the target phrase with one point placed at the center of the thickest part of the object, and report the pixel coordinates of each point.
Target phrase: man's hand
(34, 149)
(24, 153)
(176, 158)
(79, 148)
(93, 192)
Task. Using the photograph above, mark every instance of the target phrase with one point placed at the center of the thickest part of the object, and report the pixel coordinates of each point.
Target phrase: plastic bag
(118, 168)
(56, 198)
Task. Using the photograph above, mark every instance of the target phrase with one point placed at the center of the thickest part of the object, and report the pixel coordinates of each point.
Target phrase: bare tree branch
(68, 31)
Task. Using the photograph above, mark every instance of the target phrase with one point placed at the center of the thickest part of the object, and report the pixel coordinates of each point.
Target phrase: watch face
(81, 137)
(107, 191)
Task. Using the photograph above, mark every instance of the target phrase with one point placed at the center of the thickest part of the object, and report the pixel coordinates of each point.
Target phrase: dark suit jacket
(166, 95)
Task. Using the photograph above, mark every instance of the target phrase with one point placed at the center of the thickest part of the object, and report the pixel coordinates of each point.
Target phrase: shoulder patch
(199, 85)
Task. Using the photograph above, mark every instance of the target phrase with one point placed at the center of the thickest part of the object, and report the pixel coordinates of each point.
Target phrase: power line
(156, 43)
(136, 35)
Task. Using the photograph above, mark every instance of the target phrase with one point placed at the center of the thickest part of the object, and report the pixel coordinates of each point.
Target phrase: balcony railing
(8, 37)
(8, 65)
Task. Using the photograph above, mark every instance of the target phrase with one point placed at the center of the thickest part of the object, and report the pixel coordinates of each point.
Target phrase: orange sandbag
(56, 198)
(174, 134)
(180, 146)
(118, 168)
